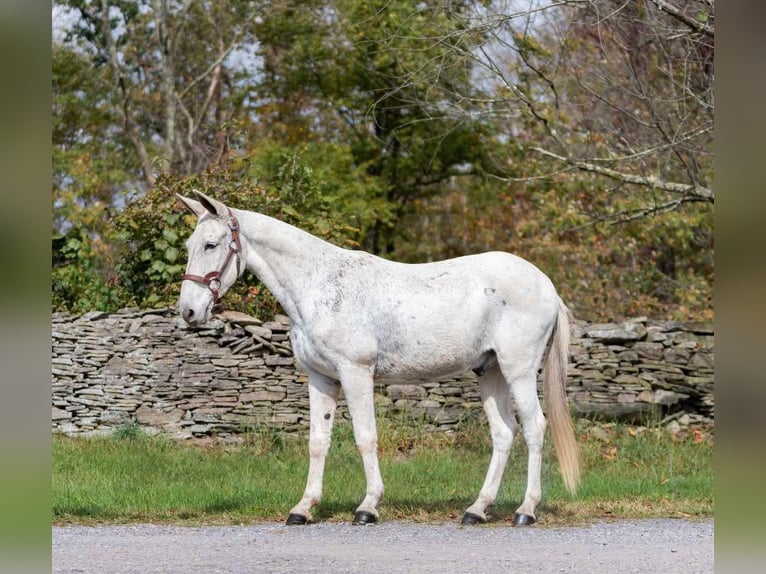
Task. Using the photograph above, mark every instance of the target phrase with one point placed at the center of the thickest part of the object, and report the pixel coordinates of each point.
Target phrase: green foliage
(78, 283)
(315, 187)
(361, 90)
(368, 126)
(129, 431)
(152, 249)
(604, 268)
(322, 188)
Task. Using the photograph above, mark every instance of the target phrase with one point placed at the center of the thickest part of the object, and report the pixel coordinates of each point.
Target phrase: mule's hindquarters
(515, 374)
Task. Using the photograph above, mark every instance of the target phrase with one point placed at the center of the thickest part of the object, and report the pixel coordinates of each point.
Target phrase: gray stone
(702, 361)
(430, 404)
(273, 360)
(262, 395)
(661, 397)
(649, 350)
(611, 333)
(156, 418)
(240, 318)
(94, 316)
(628, 356)
(397, 392)
(676, 355)
(259, 331)
(57, 414)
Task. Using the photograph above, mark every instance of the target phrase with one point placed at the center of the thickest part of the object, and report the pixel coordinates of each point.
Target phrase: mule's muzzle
(189, 316)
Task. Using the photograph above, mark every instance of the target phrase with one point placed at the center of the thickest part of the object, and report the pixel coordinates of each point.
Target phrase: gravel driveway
(619, 547)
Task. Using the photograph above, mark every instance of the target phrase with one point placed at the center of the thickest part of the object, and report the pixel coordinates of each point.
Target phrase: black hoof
(470, 519)
(363, 517)
(523, 519)
(296, 519)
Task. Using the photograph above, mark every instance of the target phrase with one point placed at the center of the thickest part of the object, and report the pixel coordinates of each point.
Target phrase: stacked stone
(238, 374)
(643, 370)
(149, 367)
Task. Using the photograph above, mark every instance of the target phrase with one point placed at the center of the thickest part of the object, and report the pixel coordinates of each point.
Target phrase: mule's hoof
(296, 519)
(362, 518)
(470, 519)
(523, 519)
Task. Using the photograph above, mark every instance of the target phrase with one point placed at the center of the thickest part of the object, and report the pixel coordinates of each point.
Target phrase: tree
(140, 89)
(330, 74)
(419, 130)
(602, 114)
(170, 92)
(89, 163)
(619, 89)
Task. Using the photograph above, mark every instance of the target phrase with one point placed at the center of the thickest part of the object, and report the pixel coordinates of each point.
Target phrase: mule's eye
(210, 245)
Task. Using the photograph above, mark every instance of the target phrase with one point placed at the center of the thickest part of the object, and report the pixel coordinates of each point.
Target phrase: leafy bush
(78, 283)
(314, 188)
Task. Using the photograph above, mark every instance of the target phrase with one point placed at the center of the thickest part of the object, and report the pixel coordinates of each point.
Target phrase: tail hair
(554, 391)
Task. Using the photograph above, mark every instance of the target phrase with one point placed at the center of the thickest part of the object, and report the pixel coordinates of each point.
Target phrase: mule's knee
(502, 438)
(319, 446)
(367, 445)
(534, 431)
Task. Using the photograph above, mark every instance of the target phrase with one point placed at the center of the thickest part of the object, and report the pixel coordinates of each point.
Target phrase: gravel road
(619, 547)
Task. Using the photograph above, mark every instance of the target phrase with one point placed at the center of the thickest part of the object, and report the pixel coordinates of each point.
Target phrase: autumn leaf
(609, 453)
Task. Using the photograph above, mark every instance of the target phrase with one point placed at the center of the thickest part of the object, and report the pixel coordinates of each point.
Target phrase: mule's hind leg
(496, 400)
(323, 398)
(523, 383)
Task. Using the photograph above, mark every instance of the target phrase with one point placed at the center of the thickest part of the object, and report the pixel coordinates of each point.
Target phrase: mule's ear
(213, 206)
(194, 206)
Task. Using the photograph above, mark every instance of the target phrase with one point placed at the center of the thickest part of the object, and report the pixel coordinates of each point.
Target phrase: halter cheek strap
(213, 279)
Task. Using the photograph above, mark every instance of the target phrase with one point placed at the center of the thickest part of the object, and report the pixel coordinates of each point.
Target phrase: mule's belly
(430, 359)
(387, 375)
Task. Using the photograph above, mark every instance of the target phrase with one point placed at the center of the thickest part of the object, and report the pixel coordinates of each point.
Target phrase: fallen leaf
(609, 453)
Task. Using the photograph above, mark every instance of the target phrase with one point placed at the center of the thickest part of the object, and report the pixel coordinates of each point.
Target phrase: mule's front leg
(323, 398)
(358, 390)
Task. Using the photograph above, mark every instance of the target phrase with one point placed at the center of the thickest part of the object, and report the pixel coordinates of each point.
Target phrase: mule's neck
(288, 260)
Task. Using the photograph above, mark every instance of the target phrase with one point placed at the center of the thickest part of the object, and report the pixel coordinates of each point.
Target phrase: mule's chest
(312, 352)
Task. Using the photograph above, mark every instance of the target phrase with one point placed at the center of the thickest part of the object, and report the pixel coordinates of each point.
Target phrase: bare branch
(628, 215)
(698, 192)
(215, 64)
(678, 14)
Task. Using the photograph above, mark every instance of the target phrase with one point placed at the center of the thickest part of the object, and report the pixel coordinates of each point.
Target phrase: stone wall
(238, 374)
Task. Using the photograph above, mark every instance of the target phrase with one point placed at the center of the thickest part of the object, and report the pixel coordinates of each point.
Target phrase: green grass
(428, 477)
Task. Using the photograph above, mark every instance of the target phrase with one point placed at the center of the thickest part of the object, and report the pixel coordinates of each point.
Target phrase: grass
(429, 476)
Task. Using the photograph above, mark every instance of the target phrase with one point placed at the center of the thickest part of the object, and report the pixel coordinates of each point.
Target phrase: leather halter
(213, 279)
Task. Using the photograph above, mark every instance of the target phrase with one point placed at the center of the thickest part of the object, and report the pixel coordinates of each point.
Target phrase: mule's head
(215, 258)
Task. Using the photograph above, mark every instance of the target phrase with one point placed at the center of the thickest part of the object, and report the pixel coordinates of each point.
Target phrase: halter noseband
(213, 279)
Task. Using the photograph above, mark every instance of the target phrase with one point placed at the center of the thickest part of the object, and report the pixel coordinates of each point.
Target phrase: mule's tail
(554, 390)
